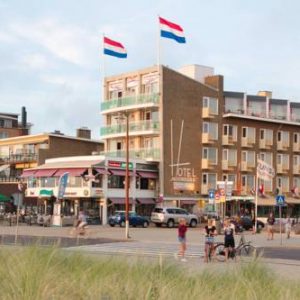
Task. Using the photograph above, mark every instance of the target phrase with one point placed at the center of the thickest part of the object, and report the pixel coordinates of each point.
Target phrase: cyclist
(82, 222)
(210, 232)
(228, 238)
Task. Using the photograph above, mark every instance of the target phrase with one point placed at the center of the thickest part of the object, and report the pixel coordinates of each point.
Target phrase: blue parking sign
(280, 200)
(211, 194)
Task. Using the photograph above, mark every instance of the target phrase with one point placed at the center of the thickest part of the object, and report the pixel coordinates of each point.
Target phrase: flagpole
(256, 197)
(158, 45)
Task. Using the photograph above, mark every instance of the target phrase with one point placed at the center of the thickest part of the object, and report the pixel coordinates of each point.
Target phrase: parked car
(118, 218)
(247, 223)
(170, 216)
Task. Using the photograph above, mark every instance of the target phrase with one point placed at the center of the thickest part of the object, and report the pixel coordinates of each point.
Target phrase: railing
(133, 127)
(128, 101)
(25, 157)
(144, 153)
(9, 179)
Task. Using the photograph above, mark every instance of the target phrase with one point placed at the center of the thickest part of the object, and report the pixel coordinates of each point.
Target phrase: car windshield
(158, 210)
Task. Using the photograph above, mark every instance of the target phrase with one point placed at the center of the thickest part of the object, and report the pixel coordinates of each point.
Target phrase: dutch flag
(114, 48)
(171, 30)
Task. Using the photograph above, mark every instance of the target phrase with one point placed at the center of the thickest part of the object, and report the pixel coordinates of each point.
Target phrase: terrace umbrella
(4, 198)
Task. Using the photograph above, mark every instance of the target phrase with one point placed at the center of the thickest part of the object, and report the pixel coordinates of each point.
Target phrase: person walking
(270, 227)
(288, 227)
(182, 229)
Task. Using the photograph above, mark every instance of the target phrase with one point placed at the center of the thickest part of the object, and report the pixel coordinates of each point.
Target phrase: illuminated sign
(119, 164)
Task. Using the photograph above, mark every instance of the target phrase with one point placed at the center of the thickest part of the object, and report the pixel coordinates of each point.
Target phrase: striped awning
(28, 173)
(74, 172)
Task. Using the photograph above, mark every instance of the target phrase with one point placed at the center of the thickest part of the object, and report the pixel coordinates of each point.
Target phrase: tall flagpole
(103, 77)
(256, 197)
(158, 45)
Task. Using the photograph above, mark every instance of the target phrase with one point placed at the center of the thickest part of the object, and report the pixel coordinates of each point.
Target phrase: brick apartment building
(200, 134)
(29, 151)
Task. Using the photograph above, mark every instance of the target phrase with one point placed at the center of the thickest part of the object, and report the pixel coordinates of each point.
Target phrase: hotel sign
(184, 179)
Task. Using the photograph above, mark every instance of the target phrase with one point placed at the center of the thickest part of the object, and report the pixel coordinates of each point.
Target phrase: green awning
(46, 193)
(4, 198)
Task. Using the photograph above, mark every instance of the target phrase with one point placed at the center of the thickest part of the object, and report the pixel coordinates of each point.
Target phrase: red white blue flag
(171, 31)
(114, 48)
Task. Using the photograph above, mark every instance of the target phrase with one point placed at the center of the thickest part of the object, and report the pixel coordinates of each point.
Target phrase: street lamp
(121, 117)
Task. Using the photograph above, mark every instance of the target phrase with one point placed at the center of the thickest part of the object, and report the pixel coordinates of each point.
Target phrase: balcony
(207, 113)
(204, 189)
(248, 142)
(207, 138)
(265, 144)
(228, 140)
(207, 164)
(10, 179)
(141, 100)
(247, 167)
(282, 168)
(228, 165)
(152, 154)
(135, 128)
(296, 147)
(296, 169)
(282, 146)
(19, 158)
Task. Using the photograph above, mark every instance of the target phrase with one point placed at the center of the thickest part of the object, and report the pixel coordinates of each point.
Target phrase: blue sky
(50, 51)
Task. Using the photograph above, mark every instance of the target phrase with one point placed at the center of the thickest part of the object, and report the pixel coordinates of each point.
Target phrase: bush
(35, 273)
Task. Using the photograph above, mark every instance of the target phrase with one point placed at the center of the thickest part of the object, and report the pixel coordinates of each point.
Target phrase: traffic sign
(280, 200)
(211, 196)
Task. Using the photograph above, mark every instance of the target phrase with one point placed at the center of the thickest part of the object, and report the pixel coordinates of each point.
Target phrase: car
(118, 218)
(170, 216)
(247, 223)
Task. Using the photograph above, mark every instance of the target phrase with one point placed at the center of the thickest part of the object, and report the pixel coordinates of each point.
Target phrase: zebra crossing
(139, 248)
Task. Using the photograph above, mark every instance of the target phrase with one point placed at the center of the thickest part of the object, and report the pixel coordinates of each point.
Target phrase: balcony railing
(133, 127)
(5, 179)
(130, 101)
(144, 153)
(15, 158)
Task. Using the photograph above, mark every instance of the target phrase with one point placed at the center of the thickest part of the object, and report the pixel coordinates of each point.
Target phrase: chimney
(58, 132)
(24, 117)
(83, 133)
(265, 94)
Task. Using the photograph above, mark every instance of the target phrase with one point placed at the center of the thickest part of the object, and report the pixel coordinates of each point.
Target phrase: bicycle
(80, 232)
(244, 250)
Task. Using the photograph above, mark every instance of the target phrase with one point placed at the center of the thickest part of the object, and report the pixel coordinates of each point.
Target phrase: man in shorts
(270, 226)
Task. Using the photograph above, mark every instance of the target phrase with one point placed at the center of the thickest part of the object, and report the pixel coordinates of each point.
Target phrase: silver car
(171, 216)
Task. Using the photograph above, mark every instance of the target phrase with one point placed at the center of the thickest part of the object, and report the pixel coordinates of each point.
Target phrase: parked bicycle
(244, 250)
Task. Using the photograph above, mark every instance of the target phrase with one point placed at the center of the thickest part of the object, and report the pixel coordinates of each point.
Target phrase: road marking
(139, 248)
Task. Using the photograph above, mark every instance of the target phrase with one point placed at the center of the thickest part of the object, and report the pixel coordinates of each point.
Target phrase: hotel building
(199, 134)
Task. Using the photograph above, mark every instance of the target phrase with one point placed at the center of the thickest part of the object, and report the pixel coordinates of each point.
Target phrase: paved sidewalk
(195, 236)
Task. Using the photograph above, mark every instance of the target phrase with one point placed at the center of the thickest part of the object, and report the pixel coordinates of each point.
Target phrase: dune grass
(35, 273)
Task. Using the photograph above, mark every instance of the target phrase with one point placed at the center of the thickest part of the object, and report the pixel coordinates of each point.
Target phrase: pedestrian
(182, 228)
(270, 226)
(228, 238)
(210, 232)
(288, 227)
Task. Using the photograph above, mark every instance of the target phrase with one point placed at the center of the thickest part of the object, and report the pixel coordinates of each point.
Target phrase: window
(48, 182)
(74, 181)
(225, 154)
(205, 101)
(296, 138)
(244, 132)
(230, 130)
(120, 94)
(3, 135)
(210, 180)
(262, 134)
(119, 146)
(210, 154)
(145, 184)
(279, 136)
(205, 127)
(204, 178)
(279, 159)
(116, 182)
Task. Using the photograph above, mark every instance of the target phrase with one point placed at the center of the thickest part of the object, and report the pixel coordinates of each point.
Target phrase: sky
(51, 61)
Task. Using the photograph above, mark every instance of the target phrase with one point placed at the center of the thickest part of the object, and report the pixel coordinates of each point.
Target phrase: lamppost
(121, 117)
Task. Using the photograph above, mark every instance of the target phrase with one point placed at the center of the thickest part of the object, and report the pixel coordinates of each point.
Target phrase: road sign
(280, 200)
(211, 196)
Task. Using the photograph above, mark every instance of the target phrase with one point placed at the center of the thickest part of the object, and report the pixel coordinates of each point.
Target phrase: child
(288, 227)
(210, 232)
(182, 228)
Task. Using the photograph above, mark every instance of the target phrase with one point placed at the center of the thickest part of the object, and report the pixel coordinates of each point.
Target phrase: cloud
(64, 41)
(36, 61)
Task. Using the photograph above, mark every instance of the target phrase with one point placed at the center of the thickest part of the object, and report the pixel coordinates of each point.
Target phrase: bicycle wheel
(247, 252)
(220, 252)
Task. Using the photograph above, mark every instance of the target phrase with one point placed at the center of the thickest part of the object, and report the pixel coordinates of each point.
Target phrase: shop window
(116, 182)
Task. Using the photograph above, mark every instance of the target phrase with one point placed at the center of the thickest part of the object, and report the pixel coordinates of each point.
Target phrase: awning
(46, 193)
(28, 173)
(3, 168)
(45, 172)
(120, 172)
(146, 200)
(266, 202)
(292, 200)
(188, 202)
(4, 198)
(74, 172)
(148, 174)
(120, 200)
(102, 171)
